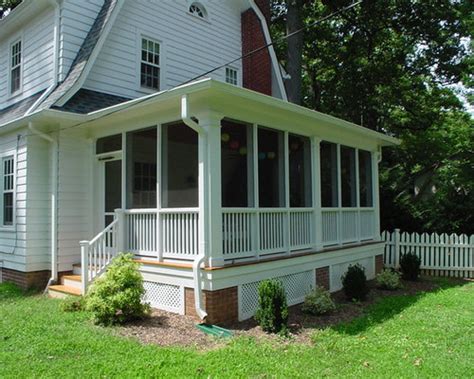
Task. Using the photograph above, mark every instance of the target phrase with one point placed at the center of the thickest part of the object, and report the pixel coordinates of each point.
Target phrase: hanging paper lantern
(271, 155)
(243, 150)
(262, 156)
(234, 145)
(225, 137)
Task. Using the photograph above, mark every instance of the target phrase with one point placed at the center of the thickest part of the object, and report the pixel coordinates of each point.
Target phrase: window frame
(203, 9)
(139, 61)
(6, 156)
(13, 42)
(237, 75)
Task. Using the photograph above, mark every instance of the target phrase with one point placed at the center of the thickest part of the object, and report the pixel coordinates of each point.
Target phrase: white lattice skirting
(296, 287)
(168, 297)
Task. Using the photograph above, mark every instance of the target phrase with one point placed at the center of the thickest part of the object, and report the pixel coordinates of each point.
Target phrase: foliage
(388, 279)
(116, 297)
(9, 291)
(410, 266)
(354, 283)
(73, 304)
(7, 5)
(272, 312)
(400, 67)
(318, 302)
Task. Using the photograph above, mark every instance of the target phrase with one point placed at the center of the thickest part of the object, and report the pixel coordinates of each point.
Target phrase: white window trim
(194, 16)
(11, 153)
(162, 65)
(12, 42)
(239, 76)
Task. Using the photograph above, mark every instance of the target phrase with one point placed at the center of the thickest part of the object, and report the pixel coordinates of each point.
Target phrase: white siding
(37, 58)
(190, 46)
(76, 21)
(13, 239)
(74, 204)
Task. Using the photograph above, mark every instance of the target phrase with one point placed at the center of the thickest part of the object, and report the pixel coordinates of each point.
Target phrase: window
(8, 185)
(109, 144)
(300, 171)
(271, 169)
(348, 177)
(329, 180)
(141, 168)
(231, 76)
(365, 179)
(198, 10)
(237, 164)
(15, 67)
(150, 64)
(180, 166)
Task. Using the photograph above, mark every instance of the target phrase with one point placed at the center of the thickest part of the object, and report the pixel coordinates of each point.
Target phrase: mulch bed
(168, 329)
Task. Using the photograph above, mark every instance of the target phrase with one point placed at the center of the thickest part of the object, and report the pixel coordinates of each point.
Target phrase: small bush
(116, 297)
(272, 312)
(388, 280)
(318, 302)
(73, 304)
(410, 266)
(354, 282)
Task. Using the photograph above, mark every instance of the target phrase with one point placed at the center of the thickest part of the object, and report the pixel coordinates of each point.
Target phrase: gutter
(188, 121)
(57, 16)
(271, 51)
(54, 196)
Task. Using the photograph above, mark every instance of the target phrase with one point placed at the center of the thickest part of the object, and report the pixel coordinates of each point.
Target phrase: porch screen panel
(109, 144)
(329, 179)
(141, 168)
(237, 164)
(365, 179)
(180, 167)
(300, 171)
(348, 177)
(271, 168)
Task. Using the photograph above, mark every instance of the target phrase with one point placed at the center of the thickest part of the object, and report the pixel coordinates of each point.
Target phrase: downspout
(57, 20)
(271, 50)
(188, 121)
(54, 196)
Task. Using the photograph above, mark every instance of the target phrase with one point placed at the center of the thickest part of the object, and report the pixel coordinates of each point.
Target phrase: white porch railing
(162, 233)
(254, 232)
(97, 254)
(347, 225)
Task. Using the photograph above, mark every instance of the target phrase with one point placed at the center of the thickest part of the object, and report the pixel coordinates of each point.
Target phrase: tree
(7, 5)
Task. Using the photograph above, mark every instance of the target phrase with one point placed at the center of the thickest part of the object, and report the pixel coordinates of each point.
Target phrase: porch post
(317, 229)
(376, 155)
(121, 244)
(210, 191)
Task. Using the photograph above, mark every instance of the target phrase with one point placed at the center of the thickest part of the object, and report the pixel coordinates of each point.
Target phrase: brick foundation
(26, 280)
(378, 263)
(221, 306)
(322, 277)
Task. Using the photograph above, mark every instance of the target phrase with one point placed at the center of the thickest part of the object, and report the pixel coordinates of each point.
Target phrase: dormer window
(15, 67)
(150, 64)
(198, 10)
(231, 76)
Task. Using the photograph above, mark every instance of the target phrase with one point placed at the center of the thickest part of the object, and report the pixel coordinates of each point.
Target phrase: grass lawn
(427, 335)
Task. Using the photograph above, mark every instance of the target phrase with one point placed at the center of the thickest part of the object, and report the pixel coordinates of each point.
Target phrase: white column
(339, 195)
(317, 229)
(256, 216)
(375, 194)
(159, 192)
(121, 237)
(357, 183)
(210, 189)
(286, 157)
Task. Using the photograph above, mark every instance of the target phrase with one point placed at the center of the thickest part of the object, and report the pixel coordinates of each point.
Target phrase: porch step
(72, 281)
(61, 291)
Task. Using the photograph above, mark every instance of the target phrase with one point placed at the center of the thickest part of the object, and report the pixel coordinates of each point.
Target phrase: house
(116, 134)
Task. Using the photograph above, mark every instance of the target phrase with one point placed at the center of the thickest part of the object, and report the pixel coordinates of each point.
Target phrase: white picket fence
(441, 254)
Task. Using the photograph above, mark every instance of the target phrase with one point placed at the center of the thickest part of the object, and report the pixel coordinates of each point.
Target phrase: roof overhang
(231, 101)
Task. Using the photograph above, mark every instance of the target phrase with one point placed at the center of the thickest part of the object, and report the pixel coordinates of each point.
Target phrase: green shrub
(354, 283)
(410, 266)
(73, 304)
(116, 297)
(388, 279)
(318, 302)
(272, 312)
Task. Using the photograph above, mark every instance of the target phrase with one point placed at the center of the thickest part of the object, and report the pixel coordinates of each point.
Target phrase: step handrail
(98, 253)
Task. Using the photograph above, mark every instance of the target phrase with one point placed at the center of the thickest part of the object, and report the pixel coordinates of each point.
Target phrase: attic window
(150, 64)
(15, 67)
(198, 10)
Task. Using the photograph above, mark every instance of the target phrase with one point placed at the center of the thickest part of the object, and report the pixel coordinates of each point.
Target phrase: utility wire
(244, 56)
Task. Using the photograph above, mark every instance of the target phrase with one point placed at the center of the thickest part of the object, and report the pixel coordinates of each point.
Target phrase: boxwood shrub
(272, 312)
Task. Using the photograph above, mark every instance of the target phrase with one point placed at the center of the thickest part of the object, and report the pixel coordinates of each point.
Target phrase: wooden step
(62, 291)
(72, 281)
(75, 278)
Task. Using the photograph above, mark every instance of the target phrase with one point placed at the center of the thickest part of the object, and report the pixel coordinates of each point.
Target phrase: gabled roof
(87, 101)
(18, 109)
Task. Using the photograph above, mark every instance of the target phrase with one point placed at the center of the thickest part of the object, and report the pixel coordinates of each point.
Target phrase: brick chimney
(257, 74)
